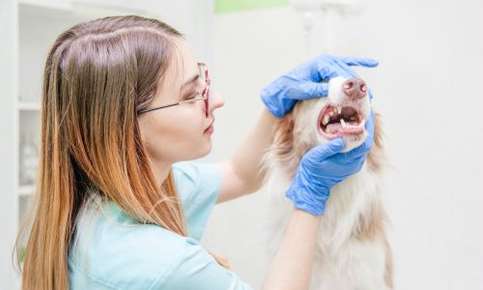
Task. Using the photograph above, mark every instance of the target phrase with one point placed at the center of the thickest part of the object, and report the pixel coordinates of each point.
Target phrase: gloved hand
(305, 81)
(324, 166)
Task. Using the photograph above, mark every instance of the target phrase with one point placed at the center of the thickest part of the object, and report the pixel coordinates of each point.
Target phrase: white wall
(8, 75)
(429, 89)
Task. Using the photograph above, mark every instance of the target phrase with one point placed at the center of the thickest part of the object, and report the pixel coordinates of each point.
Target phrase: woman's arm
(291, 267)
(242, 173)
(319, 170)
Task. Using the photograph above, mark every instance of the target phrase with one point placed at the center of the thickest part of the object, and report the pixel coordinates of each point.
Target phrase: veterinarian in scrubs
(125, 107)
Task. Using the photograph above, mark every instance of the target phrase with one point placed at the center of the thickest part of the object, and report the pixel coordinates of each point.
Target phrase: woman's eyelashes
(193, 93)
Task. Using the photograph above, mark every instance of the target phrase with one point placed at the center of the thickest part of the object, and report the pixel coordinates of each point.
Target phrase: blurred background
(428, 88)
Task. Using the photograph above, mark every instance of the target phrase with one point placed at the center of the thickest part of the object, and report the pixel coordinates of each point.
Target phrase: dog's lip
(350, 130)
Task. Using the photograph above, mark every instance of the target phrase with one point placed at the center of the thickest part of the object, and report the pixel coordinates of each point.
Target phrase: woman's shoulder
(116, 252)
(186, 175)
(198, 185)
(195, 176)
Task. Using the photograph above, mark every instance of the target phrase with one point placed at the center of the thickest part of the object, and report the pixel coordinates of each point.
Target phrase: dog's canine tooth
(325, 120)
(342, 122)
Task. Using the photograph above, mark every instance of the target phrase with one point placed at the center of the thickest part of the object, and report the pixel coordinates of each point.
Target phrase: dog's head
(343, 113)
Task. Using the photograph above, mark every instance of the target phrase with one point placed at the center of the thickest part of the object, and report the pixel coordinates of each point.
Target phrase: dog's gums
(338, 121)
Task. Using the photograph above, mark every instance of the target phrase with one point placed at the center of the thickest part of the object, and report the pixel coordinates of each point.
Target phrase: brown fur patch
(283, 137)
(389, 270)
(371, 223)
(375, 157)
(371, 227)
(283, 144)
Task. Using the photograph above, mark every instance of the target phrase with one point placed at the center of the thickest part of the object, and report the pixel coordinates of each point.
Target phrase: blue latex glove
(324, 166)
(306, 81)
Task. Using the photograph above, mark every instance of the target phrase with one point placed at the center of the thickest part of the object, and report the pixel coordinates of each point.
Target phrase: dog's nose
(355, 88)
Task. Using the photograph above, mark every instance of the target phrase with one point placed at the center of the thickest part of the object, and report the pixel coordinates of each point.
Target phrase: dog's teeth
(339, 110)
(342, 122)
(326, 119)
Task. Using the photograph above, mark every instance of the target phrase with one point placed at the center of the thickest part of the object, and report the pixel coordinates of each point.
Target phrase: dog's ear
(283, 136)
(375, 158)
(279, 153)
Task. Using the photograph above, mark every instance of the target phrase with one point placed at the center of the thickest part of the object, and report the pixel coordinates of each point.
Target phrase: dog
(352, 250)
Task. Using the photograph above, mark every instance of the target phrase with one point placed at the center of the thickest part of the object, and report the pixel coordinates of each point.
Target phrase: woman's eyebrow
(189, 82)
(188, 87)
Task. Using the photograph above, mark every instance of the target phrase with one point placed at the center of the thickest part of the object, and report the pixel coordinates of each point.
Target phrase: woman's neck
(160, 170)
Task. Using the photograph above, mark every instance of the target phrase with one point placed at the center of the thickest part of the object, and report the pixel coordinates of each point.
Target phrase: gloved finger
(371, 96)
(360, 61)
(338, 69)
(325, 151)
(370, 124)
(348, 159)
(324, 72)
(359, 162)
(308, 90)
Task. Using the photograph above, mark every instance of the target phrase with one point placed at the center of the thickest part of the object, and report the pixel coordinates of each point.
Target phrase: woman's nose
(216, 102)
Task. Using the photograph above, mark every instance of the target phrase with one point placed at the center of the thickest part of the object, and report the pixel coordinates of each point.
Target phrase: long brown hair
(97, 76)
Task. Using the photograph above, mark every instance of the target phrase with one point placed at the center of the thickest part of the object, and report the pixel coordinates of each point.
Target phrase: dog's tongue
(336, 128)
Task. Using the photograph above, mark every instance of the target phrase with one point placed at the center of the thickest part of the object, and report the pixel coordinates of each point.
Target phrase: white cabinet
(28, 28)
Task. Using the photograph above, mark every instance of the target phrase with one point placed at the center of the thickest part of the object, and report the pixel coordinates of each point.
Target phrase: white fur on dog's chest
(347, 200)
(336, 265)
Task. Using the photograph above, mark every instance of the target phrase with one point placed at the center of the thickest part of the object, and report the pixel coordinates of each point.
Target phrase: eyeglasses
(203, 96)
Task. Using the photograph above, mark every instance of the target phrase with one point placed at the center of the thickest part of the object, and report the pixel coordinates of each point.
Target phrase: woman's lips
(209, 130)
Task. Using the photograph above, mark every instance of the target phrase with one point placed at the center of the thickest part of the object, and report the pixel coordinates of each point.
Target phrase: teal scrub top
(120, 253)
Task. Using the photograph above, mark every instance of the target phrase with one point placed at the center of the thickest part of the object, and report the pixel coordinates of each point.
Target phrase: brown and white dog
(352, 250)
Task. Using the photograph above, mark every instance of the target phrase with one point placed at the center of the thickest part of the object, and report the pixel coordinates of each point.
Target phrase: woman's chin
(209, 146)
(202, 148)
(206, 148)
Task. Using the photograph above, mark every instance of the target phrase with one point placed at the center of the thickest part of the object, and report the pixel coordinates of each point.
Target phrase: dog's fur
(352, 249)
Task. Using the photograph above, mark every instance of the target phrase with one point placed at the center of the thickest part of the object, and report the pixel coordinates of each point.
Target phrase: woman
(124, 102)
